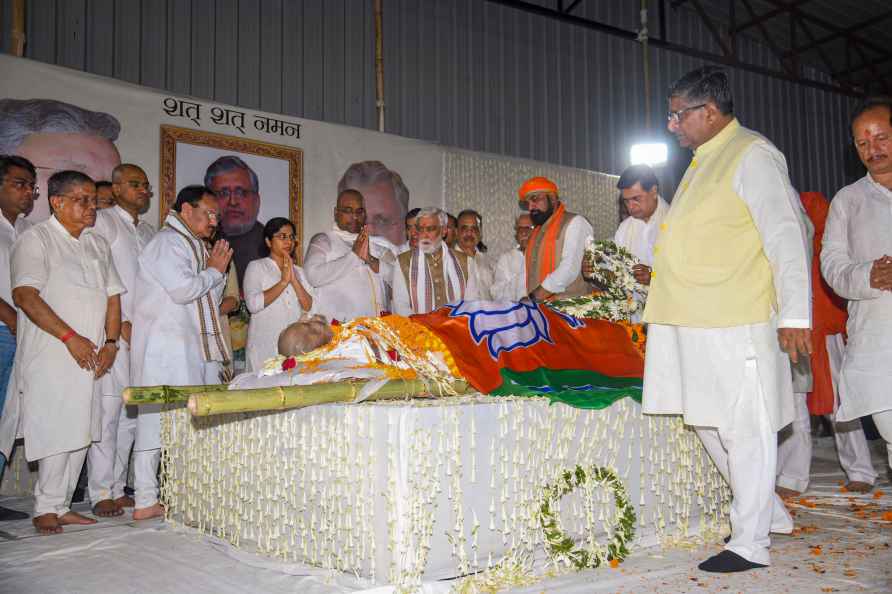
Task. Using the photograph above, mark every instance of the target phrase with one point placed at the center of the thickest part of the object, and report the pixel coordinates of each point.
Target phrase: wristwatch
(113, 342)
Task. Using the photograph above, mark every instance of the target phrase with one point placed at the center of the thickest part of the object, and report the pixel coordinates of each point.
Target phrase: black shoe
(728, 562)
(7, 515)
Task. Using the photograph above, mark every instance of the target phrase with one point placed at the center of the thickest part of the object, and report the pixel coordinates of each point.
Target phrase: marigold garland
(561, 547)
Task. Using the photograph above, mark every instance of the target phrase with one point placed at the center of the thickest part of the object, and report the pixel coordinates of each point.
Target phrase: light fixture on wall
(652, 153)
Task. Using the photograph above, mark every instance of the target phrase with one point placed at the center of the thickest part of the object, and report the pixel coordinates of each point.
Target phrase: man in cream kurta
(729, 290)
(65, 283)
(431, 275)
(510, 282)
(556, 245)
(176, 329)
(856, 261)
(127, 235)
(347, 266)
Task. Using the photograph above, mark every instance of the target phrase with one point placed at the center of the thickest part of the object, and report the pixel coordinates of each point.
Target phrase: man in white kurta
(176, 329)
(510, 277)
(347, 267)
(65, 283)
(470, 243)
(431, 275)
(127, 235)
(638, 232)
(729, 290)
(856, 262)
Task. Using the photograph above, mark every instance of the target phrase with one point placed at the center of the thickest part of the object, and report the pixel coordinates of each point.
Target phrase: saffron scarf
(546, 248)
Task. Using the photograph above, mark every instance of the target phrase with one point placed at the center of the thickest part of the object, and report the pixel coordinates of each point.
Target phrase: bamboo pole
(379, 63)
(204, 403)
(165, 394)
(18, 28)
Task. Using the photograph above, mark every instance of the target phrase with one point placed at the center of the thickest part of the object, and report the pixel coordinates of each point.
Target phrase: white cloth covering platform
(409, 491)
(855, 556)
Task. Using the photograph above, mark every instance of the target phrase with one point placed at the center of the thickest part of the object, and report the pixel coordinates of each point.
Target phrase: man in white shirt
(637, 233)
(726, 323)
(557, 243)
(431, 275)
(856, 261)
(18, 189)
(470, 243)
(176, 327)
(347, 266)
(65, 283)
(127, 235)
(510, 282)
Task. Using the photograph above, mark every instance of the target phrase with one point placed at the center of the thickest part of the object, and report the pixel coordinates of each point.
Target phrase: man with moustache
(510, 283)
(347, 266)
(127, 234)
(637, 233)
(729, 307)
(411, 232)
(556, 245)
(18, 189)
(64, 281)
(177, 337)
(470, 243)
(431, 275)
(856, 262)
(451, 237)
(237, 189)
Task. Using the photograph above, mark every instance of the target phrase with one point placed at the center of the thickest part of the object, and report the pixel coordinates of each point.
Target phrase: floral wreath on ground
(561, 548)
(620, 296)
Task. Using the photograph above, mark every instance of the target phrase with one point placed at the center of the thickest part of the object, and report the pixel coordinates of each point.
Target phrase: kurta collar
(59, 227)
(718, 140)
(17, 219)
(125, 216)
(883, 189)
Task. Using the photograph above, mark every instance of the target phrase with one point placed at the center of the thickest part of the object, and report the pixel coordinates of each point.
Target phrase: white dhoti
(147, 448)
(733, 385)
(57, 476)
(795, 444)
(109, 458)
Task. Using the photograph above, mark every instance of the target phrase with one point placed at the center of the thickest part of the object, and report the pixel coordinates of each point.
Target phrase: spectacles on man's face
(675, 117)
(20, 184)
(237, 193)
(83, 201)
(140, 186)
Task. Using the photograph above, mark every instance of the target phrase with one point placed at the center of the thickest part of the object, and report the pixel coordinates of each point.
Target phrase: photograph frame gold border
(173, 135)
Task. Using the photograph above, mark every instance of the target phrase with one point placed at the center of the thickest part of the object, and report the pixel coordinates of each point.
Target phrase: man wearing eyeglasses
(640, 193)
(127, 234)
(17, 193)
(65, 282)
(347, 266)
(238, 191)
(729, 307)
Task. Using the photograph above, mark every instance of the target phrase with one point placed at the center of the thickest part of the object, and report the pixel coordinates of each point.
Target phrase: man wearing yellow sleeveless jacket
(729, 307)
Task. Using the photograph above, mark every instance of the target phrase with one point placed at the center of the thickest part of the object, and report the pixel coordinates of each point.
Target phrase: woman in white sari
(276, 293)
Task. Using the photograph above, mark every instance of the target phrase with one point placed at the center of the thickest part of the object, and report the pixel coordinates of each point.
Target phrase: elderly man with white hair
(431, 275)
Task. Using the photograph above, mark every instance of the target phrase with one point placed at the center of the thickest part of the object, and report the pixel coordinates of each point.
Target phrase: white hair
(367, 173)
(431, 211)
(20, 118)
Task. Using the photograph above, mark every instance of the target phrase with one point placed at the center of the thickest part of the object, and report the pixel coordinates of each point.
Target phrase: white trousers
(795, 449)
(883, 421)
(56, 480)
(145, 477)
(746, 460)
(108, 458)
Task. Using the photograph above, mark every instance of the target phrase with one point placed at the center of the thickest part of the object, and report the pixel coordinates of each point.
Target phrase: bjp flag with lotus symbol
(530, 349)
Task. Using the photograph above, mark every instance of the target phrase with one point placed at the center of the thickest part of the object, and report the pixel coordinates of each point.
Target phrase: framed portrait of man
(254, 182)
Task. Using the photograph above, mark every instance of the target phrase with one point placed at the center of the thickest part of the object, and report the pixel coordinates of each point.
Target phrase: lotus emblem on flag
(507, 325)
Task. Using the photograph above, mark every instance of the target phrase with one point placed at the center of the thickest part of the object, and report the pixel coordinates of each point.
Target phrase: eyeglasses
(83, 201)
(676, 116)
(359, 212)
(238, 193)
(284, 236)
(23, 184)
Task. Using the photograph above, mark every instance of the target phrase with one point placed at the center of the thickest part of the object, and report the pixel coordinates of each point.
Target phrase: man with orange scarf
(829, 320)
(555, 249)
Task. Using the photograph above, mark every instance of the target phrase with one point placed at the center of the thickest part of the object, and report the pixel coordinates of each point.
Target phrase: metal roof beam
(841, 33)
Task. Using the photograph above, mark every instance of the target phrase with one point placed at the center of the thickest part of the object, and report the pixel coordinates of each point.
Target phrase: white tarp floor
(841, 544)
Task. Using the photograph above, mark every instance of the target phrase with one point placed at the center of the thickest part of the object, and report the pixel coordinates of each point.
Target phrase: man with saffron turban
(555, 249)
